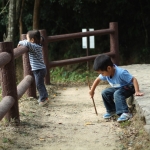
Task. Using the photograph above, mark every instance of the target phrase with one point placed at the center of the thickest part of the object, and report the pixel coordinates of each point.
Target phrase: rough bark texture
(18, 14)
(8, 82)
(36, 14)
(11, 21)
(20, 19)
(18, 10)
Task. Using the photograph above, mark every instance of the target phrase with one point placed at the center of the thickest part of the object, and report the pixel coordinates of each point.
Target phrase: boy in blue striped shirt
(123, 85)
(37, 63)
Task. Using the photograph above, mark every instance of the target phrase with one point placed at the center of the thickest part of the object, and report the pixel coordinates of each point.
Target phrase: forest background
(71, 16)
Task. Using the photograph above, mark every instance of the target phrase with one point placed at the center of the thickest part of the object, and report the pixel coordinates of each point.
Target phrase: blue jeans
(39, 81)
(115, 99)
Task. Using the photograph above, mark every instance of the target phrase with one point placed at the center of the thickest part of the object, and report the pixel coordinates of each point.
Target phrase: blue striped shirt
(120, 78)
(35, 55)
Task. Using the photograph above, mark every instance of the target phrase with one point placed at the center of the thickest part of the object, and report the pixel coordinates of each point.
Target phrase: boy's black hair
(101, 62)
(35, 34)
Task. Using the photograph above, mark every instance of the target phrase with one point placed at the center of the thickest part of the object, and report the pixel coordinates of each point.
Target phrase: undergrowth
(72, 75)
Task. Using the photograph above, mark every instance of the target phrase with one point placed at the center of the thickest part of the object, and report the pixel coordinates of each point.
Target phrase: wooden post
(114, 46)
(31, 92)
(87, 51)
(8, 83)
(45, 55)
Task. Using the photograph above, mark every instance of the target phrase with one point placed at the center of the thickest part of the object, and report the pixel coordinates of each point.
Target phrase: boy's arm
(27, 44)
(23, 43)
(136, 87)
(95, 83)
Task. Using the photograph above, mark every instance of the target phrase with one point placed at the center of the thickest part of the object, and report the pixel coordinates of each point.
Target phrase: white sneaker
(44, 102)
(124, 117)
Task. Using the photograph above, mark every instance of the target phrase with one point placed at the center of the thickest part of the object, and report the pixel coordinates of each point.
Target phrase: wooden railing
(11, 92)
(114, 50)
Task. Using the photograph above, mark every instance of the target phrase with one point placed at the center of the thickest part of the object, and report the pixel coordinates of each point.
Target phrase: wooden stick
(92, 97)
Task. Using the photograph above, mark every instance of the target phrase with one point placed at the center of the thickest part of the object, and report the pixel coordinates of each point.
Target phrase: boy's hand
(91, 93)
(138, 94)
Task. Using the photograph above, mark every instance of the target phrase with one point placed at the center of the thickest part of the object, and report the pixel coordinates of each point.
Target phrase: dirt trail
(73, 125)
(68, 122)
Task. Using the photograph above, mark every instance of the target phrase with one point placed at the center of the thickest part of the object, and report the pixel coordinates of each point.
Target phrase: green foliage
(67, 16)
(7, 140)
(83, 14)
(3, 18)
(71, 75)
(125, 124)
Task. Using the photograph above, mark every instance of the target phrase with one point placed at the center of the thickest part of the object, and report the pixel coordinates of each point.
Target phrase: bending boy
(123, 85)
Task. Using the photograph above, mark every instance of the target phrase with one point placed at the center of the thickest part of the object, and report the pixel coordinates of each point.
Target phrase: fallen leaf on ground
(41, 139)
(89, 123)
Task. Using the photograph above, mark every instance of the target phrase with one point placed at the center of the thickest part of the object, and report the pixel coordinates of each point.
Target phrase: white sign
(91, 40)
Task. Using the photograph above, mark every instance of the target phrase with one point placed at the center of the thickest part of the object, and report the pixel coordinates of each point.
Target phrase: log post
(45, 55)
(8, 83)
(114, 44)
(31, 92)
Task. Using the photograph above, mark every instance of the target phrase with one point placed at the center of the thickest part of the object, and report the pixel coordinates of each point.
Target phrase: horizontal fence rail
(5, 105)
(75, 60)
(20, 51)
(4, 58)
(79, 35)
(24, 85)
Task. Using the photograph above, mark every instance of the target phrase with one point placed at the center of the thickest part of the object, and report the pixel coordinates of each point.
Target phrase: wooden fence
(11, 92)
(114, 50)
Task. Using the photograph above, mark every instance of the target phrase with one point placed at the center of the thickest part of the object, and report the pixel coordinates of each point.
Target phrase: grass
(72, 75)
(125, 124)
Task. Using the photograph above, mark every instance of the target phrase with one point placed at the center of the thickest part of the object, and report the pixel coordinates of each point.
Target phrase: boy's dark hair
(101, 62)
(35, 34)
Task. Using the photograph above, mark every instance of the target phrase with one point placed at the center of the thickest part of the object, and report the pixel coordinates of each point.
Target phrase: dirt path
(69, 122)
(73, 124)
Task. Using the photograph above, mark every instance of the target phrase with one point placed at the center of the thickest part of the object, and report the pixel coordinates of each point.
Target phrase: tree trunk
(20, 19)
(18, 10)
(11, 21)
(36, 14)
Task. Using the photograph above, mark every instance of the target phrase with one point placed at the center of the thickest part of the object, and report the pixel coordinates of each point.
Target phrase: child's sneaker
(124, 117)
(38, 100)
(42, 103)
(108, 115)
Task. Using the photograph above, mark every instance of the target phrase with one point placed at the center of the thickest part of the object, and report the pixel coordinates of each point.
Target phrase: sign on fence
(91, 40)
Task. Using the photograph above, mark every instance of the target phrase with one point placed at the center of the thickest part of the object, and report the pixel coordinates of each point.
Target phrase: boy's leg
(107, 96)
(39, 80)
(120, 96)
(120, 101)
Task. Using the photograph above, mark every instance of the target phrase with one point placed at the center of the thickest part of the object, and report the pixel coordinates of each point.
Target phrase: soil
(67, 122)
